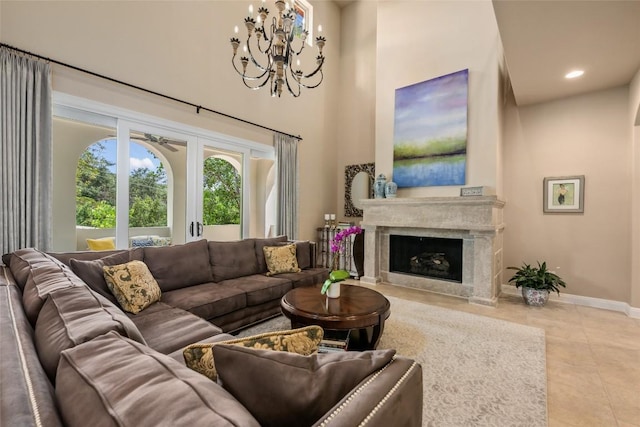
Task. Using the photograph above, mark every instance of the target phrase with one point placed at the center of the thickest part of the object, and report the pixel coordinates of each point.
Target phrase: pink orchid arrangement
(337, 247)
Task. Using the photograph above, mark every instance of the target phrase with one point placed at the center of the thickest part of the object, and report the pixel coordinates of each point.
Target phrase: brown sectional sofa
(70, 356)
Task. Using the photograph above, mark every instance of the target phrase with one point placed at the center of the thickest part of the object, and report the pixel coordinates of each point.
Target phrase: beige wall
(634, 121)
(356, 121)
(181, 48)
(583, 135)
(418, 41)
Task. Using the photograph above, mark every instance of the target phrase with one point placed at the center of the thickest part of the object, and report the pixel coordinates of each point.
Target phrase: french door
(172, 181)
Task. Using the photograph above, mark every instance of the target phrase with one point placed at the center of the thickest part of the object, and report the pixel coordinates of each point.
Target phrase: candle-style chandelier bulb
(278, 46)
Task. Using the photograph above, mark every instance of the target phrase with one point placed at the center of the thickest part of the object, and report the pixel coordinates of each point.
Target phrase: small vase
(390, 190)
(334, 290)
(378, 186)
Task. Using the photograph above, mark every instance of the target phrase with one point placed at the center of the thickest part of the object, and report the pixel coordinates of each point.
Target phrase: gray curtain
(25, 152)
(287, 168)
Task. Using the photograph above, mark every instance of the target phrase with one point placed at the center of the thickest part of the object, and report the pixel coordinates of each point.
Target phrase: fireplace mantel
(477, 220)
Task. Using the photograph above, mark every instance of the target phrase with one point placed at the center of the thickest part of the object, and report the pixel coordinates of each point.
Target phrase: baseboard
(605, 304)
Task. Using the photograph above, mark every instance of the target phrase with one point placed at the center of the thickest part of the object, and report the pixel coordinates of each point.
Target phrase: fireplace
(426, 256)
(471, 227)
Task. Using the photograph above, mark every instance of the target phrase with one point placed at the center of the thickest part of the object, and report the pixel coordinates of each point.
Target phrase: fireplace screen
(426, 256)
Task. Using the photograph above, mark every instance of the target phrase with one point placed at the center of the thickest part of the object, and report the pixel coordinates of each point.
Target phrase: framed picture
(563, 194)
(303, 19)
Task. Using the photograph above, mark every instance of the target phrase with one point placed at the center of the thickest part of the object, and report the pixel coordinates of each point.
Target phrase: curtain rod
(197, 107)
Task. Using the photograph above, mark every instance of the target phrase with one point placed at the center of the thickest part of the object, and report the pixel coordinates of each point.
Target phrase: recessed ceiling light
(573, 74)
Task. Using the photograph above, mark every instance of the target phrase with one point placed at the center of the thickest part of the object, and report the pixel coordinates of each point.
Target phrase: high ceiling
(543, 40)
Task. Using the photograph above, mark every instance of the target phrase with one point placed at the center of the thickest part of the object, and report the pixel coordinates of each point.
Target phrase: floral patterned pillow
(304, 341)
(281, 259)
(133, 285)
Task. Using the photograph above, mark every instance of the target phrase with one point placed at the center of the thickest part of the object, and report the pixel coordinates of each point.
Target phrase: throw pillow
(103, 244)
(90, 271)
(265, 382)
(133, 285)
(199, 357)
(281, 259)
(141, 242)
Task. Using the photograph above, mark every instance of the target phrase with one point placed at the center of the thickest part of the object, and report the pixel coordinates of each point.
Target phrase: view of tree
(96, 192)
(222, 192)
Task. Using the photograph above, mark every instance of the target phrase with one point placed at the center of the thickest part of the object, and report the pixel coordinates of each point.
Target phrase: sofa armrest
(27, 395)
(390, 396)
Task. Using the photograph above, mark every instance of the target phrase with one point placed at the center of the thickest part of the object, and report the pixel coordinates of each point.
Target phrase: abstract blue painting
(430, 132)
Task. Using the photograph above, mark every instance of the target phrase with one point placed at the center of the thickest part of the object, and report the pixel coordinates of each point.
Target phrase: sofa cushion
(303, 253)
(47, 275)
(179, 266)
(102, 244)
(259, 288)
(133, 285)
(307, 277)
(208, 300)
(65, 257)
(167, 329)
(261, 243)
(75, 315)
(281, 259)
(19, 263)
(199, 356)
(265, 381)
(114, 381)
(90, 271)
(232, 259)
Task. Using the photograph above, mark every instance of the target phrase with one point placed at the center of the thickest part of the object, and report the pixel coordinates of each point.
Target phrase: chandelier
(270, 52)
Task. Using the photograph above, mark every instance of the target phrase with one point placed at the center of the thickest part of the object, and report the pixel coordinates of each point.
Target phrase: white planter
(334, 290)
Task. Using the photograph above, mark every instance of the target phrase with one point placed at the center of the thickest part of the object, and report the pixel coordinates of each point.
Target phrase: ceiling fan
(162, 141)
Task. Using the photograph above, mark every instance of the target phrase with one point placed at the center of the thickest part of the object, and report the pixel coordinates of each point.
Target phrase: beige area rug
(477, 371)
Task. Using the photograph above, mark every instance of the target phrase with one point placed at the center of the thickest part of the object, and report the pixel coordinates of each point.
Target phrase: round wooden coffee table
(360, 310)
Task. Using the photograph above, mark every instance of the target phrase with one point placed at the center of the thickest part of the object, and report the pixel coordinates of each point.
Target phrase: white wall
(583, 135)
(182, 49)
(418, 41)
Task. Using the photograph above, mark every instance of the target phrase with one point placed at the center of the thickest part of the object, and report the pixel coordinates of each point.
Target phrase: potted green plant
(536, 283)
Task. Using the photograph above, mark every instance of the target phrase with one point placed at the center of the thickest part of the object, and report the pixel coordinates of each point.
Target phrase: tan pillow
(304, 341)
(103, 244)
(281, 259)
(266, 382)
(133, 285)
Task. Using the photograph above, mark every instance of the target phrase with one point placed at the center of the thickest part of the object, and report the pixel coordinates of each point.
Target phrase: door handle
(200, 229)
(191, 229)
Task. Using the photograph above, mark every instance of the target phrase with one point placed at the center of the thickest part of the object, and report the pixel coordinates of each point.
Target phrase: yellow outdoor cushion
(104, 244)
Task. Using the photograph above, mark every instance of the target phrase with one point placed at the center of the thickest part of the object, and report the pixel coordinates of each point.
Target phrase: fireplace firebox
(433, 257)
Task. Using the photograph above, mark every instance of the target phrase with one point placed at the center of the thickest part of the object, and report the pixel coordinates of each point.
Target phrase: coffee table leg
(377, 333)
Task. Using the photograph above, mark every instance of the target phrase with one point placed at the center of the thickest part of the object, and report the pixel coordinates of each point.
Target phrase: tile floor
(593, 356)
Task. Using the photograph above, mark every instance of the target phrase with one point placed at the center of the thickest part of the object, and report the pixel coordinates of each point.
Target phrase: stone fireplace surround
(477, 220)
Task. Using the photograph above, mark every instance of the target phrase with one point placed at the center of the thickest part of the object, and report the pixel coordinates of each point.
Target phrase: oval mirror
(358, 185)
(360, 189)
